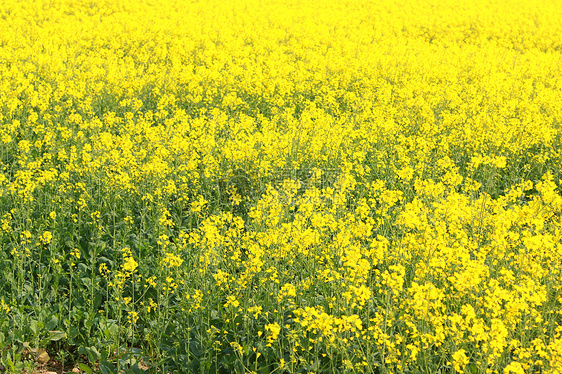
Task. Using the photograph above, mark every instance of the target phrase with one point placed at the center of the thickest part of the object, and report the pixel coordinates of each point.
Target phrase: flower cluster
(312, 186)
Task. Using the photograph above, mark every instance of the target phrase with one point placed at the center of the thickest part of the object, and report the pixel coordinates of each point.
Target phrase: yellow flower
(287, 291)
(172, 260)
(104, 271)
(274, 330)
(514, 368)
(460, 360)
(3, 306)
(231, 301)
(46, 237)
(132, 317)
(255, 310)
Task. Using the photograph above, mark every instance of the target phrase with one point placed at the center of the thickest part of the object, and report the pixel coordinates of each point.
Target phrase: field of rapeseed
(288, 186)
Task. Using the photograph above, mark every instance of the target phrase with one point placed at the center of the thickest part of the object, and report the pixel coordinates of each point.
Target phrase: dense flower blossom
(287, 186)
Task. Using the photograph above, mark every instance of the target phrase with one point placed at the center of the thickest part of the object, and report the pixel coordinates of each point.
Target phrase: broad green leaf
(57, 335)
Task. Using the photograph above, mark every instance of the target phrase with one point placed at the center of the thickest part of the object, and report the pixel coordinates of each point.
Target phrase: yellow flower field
(289, 186)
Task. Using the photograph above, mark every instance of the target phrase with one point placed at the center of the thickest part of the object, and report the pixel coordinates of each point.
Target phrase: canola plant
(286, 186)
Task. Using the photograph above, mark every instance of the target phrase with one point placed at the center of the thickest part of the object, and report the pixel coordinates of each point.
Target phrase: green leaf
(53, 322)
(83, 268)
(107, 367)
(195, 348)
(9, 363)
(85, 368)
(56, 335)
(73, 332)
(93, 354)
(33, 326)
(105, 260)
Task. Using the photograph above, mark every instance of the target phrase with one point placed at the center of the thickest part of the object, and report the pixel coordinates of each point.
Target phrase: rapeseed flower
(344, 185)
